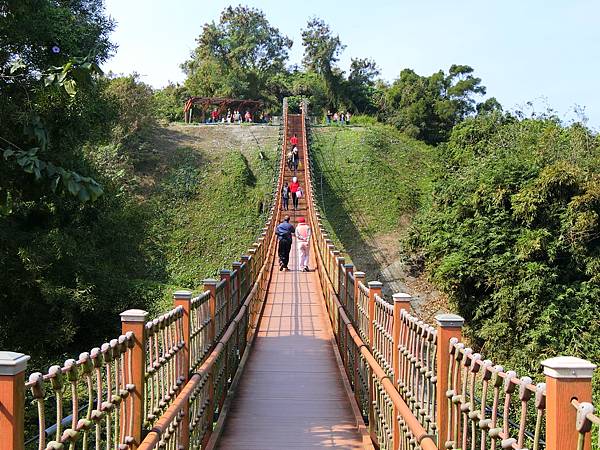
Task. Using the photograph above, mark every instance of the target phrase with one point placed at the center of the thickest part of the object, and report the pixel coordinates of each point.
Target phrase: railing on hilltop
(419, 386)
(162, 383)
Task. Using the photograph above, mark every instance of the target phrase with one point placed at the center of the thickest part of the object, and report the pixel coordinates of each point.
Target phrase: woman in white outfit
(303, 234)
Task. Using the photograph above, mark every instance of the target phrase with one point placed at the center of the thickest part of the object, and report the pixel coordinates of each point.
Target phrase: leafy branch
(84, 188)
(75, 72)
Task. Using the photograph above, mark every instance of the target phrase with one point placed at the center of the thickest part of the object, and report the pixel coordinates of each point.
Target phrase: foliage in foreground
(512, 235)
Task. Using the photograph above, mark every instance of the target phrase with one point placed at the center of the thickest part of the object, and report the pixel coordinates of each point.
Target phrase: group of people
(302, 233)
(230, 117)
(293, 155)
(338, 117)
(292, 190)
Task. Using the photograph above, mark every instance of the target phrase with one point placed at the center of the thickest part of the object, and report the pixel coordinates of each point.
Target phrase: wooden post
(567, 378)
(252, 264)
(448, 326)
(374, 289)
(349, 270)
(401, 302)
(183, 298)
(211, 285)
(236, 266)
(226, 275)
(358, 278)
(12, 400)
(340, 261)
(134, 320)
(246, 270)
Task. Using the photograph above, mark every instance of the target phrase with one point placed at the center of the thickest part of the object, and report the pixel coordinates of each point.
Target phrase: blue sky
(544, 52)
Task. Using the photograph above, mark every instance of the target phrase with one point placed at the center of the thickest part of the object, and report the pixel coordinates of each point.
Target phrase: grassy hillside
(210, 188)
(371, 180)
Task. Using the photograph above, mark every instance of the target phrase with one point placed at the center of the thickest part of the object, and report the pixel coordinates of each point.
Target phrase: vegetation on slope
(512, 236)
(370, 182)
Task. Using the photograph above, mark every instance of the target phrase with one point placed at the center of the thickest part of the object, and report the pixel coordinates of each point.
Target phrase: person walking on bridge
(285, 230)
(295, 159)
(303, 234)
(285, 196)
(294, 187)
(294, 140)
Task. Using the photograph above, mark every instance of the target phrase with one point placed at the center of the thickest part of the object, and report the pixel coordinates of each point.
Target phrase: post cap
(209, 282)
(12, 363)
(245, 257)
(449, 320)
(236, 264)
(134, 315)
(335, 252)
(225, 272)
(359, 274)
(568, 367)
(348, 266)
(375, 284)
(183, 294)
(401, 297)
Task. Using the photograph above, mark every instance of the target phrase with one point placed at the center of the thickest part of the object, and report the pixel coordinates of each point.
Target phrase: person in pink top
(294, 188)
(303, 234)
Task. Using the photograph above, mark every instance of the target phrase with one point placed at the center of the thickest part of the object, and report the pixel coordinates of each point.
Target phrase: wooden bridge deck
(290, 395)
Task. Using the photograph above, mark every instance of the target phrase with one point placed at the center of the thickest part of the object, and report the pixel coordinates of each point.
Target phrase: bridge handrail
(374, 388)
(206, 389)
(586, 419)
(96, 384)
(451, 391)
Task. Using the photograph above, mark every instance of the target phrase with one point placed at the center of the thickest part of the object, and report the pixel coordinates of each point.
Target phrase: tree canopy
(237, 56)
(428, 107)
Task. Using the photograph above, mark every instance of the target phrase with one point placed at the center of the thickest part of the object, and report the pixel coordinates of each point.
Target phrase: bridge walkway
(290, 395)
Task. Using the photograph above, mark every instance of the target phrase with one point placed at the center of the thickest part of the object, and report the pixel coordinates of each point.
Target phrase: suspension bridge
(265, 359)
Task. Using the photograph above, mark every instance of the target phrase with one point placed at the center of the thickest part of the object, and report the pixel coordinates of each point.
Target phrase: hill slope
(371, 181)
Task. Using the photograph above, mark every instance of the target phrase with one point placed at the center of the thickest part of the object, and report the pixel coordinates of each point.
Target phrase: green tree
(66, 263)
(321, 52)
(169, 102)
(428, 108)
(237, 57)
(361, 91)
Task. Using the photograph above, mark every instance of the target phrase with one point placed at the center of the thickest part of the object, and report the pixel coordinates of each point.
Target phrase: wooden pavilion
(222, 104)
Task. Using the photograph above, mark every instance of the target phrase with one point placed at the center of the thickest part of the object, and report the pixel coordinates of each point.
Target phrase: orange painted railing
(419, 386)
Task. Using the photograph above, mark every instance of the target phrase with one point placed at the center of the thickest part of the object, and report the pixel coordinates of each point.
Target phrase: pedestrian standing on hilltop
(294, 188)
(285, 196)
(285, 230)
(303, 234)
